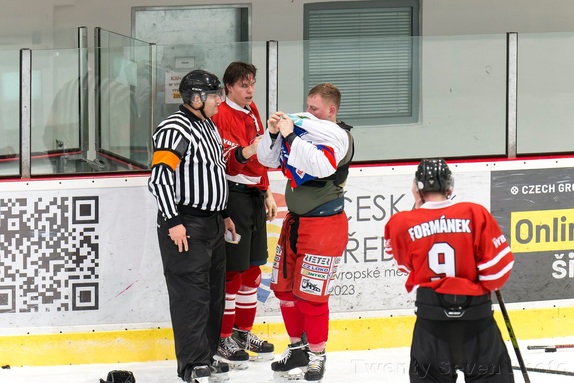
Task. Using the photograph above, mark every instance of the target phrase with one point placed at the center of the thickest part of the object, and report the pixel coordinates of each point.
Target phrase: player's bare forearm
(270, 205)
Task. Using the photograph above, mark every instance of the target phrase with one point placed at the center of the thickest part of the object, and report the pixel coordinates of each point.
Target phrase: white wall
(469, 17)
(283, 19)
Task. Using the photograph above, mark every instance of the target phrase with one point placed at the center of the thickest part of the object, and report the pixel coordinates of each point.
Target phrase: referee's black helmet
(199, 82)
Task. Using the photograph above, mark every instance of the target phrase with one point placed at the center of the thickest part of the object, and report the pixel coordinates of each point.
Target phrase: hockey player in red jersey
(314, 152)
(250, 204)
(455, 254)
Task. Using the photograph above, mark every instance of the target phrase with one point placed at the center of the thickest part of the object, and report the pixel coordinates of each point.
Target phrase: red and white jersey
(315, 153)
(453, 248)
(238, 127)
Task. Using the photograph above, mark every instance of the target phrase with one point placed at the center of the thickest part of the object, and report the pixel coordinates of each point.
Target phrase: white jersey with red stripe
(315, 153)
(453, 248)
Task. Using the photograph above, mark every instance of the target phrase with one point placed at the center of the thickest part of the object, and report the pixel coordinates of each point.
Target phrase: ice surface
(372, 366)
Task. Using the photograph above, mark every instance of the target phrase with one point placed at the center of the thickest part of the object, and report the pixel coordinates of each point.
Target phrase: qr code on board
(49, 254)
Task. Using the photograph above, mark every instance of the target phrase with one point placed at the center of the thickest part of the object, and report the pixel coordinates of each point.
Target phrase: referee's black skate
(197, 374)
(316, 366)
(247, 340)
(293, 363)
(229, 352)
(219, 371)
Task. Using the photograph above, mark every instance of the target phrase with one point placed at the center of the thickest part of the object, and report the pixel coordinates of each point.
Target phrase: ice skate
(316, 366)
(197, 374)
(229, 352)
(293, 363)
(260, 350)
(219, 371)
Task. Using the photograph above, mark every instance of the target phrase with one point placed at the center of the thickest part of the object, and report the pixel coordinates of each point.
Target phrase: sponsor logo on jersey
(499, 241)
(542, 230)
(313, 275)
(274, 274)
(315, 268)
(311, 286)
(317, 260)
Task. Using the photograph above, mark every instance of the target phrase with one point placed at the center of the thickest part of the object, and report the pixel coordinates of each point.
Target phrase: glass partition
(458, 97)
(55, 112)
(291, 87)
(124, 84)
(174, 61)
(39, 39)
(545, 93)
(453, 87)
(9, 112)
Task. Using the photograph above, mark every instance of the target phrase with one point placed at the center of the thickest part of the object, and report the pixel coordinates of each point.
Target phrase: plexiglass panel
(458, 94)
(39, 39)
(545, 93)
(174, 61)
(9, 112)
(456, 86)
(55, 119)
(124, 91)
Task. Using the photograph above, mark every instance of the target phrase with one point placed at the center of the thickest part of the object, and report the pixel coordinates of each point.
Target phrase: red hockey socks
(292, 317)
(232, 285)
(246, 300)
(316, 323)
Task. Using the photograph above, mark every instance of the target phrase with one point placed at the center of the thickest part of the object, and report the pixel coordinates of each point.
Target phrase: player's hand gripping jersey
(455, 248)
(322, 145)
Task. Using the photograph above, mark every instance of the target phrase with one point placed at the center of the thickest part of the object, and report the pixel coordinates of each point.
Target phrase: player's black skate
(316, 366)
(219, 371)
(197, 374)
(247, 340)
(228, 351)
(293, 362)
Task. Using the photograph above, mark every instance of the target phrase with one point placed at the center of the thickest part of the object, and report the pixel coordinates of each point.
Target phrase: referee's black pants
(196, 287)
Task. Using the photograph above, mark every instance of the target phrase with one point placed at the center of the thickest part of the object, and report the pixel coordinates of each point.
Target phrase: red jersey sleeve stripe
(494, 260)
(404, 269)
(498, 275)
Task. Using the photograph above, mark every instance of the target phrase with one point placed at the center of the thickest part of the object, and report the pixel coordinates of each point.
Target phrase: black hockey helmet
(433, 175)
(119, 376)
(202, 83)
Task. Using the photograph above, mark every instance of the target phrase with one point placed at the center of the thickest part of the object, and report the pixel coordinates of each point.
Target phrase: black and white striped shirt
(188, 169)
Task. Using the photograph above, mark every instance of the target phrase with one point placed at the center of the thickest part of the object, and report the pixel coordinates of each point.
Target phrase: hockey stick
(546, 371)
(512, 336)
(550, 348)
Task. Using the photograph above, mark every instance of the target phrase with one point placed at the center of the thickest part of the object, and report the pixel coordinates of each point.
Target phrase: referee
(188, 181)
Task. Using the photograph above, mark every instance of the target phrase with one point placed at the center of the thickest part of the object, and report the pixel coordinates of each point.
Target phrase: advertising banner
(85, 252)
(72, 254)
(535, 209)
